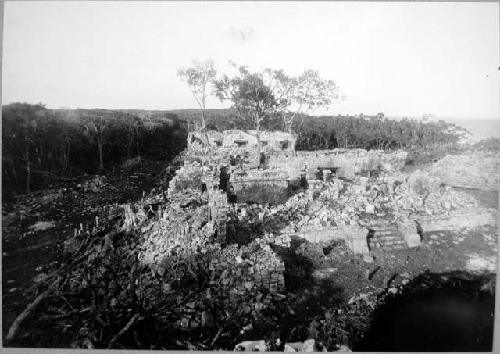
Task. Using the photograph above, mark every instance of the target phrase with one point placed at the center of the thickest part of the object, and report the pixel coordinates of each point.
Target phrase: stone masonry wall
(455, 222)
(187, 177)
(260, 186)
(349, 161)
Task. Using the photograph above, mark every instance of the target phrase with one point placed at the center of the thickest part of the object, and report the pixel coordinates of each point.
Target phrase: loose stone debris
(479, 170)
(196, 226)
(94, 185)
(478, 263)
(206, 252)
(42, 225)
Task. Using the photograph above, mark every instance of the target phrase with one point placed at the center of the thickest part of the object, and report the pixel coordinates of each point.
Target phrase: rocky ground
(108, 281)
(36, 225)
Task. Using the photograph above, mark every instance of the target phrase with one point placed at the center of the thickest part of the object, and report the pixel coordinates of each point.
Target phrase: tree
(284, 89)
(96, 125)
(250, 96)
(300, 95)
(198, 77)
(20, 126)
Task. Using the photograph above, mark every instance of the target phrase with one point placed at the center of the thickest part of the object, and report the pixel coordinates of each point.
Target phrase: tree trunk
(28, 168)
(257, 129)
(203, 125)
(68, 154)
(99, 145)
(130, 142)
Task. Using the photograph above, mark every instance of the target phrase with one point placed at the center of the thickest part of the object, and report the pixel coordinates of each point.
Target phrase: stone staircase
(386, 238)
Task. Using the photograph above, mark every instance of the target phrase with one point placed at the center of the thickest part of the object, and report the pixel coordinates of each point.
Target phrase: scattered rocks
(94, 185)
(478, 263)
(42, 226)
(321, 274)
(477, 170)
(306, 346)
(251, 346)
(175, 252)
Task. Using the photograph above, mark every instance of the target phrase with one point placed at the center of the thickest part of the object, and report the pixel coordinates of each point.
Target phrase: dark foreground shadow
(436, 312)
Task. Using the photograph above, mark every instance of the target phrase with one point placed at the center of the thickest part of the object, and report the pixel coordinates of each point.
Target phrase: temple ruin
(240, 206)
(231, 169)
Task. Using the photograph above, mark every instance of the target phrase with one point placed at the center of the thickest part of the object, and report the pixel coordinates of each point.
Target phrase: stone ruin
(271, 142)
(228, 166)
(357, 196)
(231, 168)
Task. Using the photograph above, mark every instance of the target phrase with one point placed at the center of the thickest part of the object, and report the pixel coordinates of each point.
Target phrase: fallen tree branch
(67, 302)
(123, 330)
(17, 322)
(62, 315)
(65, 269)
(219, 332)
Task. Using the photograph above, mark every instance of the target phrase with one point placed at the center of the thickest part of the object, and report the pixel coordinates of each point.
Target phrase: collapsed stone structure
(478, 170)
(229, 167)
(278, 194)
(233, 170)
(276, 142)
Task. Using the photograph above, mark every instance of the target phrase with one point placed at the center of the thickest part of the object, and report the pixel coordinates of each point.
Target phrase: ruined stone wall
(349, 161)
(270, 141)
(218, 206)
(231, 137)
(187, 177)
(213, 157)
(294, 165)
(456, 222)
(260, 186)
(327, 234)
(254, 267)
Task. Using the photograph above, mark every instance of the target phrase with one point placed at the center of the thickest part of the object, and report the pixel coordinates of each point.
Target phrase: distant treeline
(374, 132)
(41, 145)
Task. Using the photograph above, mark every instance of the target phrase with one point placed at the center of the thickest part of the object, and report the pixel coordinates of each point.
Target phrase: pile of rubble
(282, 239)
(243, 282)
(187, 177)
(180, 244)
(478, 170)
(449, 202)
(170, 257)
(367, 201)
(249, 277)
(176, 234)
(131, 162)
(94, 185)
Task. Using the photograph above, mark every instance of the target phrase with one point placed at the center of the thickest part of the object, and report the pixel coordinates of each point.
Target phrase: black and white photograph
(271, 176)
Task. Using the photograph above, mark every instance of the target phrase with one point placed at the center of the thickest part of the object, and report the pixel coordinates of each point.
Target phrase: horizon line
(434, 117)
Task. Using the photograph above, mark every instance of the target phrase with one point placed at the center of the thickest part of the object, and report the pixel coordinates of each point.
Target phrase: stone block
(412, 239)
(370, 209)
(359, 245)
(367, 258)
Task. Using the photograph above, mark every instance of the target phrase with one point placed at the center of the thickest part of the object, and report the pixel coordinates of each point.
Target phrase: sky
(402, 59)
